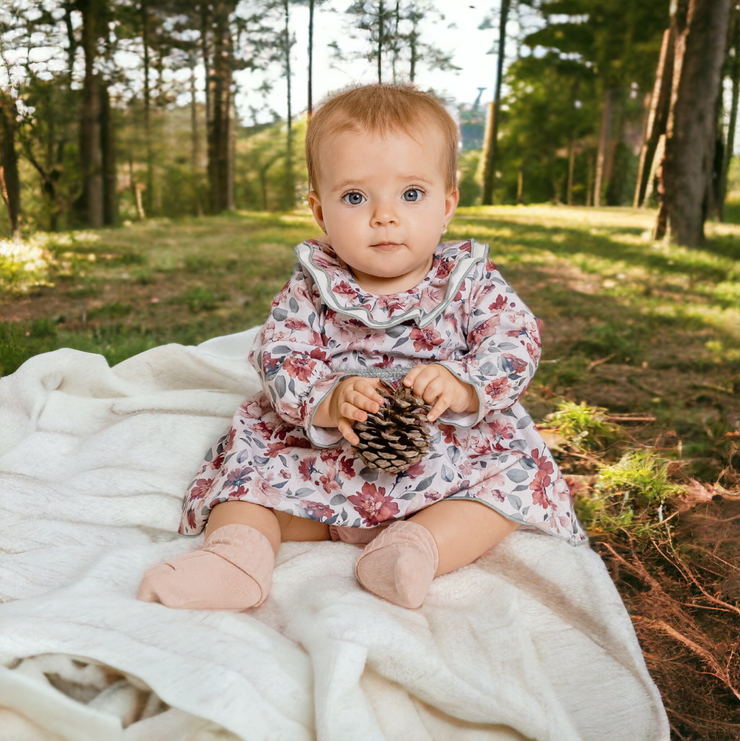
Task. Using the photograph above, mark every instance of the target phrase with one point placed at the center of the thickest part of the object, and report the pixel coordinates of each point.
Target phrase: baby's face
(383, 203)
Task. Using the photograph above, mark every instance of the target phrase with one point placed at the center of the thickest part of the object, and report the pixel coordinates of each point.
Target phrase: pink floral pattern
(477, 327)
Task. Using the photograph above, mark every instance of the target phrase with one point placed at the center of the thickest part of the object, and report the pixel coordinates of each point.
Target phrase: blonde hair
(381, 108)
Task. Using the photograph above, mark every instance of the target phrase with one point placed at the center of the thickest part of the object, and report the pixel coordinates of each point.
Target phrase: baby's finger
(361, 401)
(411, 378)
(433, 390)
(348, 433)
(368, 388)
(351, 412)
(440, 407)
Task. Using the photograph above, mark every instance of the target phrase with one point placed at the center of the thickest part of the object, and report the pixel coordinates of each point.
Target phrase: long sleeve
(291, 358)
(504, 347)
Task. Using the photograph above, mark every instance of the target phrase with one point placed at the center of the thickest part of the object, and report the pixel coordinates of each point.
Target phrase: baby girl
(378, 298)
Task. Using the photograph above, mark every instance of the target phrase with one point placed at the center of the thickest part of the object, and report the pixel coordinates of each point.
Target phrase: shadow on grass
(712, 262)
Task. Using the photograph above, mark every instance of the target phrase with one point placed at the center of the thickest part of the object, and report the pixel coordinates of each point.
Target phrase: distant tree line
(594, 103)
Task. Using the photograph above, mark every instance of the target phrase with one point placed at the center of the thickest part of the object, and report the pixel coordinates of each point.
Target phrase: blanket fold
(532, 641)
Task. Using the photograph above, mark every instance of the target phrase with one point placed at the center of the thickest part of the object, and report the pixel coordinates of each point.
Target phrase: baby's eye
(354, 198)
(412, 195)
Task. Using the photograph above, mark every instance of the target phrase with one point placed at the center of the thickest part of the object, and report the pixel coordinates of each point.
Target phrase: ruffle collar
(422, 304)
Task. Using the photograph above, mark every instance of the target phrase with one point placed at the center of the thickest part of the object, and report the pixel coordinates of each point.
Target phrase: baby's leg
(463, 530)
(401, 562)
(233, 570)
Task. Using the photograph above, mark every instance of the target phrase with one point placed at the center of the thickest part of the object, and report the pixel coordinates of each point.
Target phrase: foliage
(640, 477)
(584, 426)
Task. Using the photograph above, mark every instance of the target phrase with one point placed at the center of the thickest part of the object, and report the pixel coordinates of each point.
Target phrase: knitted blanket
(532, 641)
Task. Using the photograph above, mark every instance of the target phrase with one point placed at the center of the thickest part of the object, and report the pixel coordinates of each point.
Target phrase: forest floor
(641, 370)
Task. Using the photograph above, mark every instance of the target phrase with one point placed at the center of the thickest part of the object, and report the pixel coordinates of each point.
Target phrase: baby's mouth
(386, 245)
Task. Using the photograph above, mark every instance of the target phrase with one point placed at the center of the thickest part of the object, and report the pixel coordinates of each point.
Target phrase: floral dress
(322, 327)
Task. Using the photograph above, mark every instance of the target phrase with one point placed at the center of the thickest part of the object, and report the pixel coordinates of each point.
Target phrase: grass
(631, 325)
(638, 390)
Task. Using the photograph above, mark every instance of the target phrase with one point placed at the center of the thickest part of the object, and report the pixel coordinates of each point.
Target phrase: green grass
(630, 325)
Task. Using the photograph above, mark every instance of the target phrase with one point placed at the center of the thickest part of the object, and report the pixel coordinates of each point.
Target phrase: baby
(379, 297)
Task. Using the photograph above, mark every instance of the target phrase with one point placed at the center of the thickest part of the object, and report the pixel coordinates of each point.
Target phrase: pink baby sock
(232, 572)
(400, 564)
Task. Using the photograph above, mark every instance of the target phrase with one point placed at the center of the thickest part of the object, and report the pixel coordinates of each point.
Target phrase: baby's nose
(384, 214)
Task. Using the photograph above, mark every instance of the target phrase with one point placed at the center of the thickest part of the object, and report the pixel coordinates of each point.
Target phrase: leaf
(242, 455)
(527, 462)
(447, 474)
(293, 305)
(280, 314)
(368, 474)
(311, 317)
(304, 491)
(408, 495)
(280, 386)
(400, 341)
(260, 460)
(525, 510)
(525, 421)
(281, 350)
(291, 386)
(424, 483)
(356, 523)
(515, 501)
(338, 499)
(517, 475)
(488, 369)
(396, 331)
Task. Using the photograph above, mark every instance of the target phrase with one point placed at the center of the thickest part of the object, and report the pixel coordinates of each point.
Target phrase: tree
(389, 29)
(491, 140)
(733, 64)
(690, 138)
(96, 203)
(10, 186)
(621, 41)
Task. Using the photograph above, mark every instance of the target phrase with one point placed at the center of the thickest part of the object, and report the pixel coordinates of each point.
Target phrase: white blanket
(530, 642)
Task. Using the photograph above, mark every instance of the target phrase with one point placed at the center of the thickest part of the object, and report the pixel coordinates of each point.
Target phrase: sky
(458, 34)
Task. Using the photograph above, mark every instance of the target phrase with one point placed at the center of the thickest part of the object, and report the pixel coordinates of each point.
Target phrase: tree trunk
(194, 141)
(10, 184)
(658, 115)
(289, 183)
(603, 151)
(413, 53)
(310, 58)
(219, 118)
(520, 186)
(730, 144)
(690, 140)
(397, 18)
(489, 173)
(571, 168)
(90, 203)
(147, 109)
(108, 150)
(381, 13)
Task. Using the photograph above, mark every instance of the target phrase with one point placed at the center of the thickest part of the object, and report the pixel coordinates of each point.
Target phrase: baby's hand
(436, 385)
(351, 400)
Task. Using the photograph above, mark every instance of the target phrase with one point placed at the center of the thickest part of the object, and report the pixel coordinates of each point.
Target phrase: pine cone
(396, 436)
